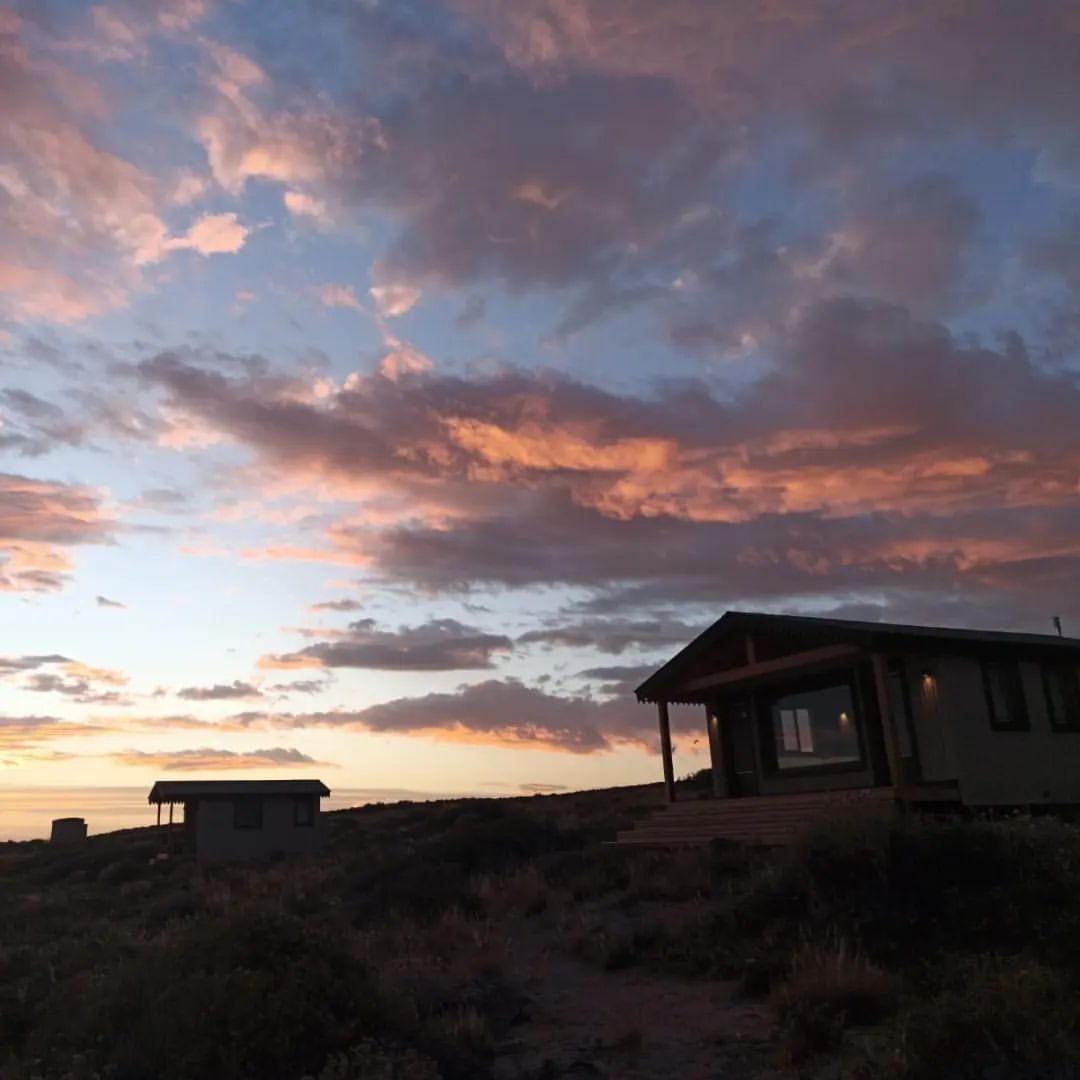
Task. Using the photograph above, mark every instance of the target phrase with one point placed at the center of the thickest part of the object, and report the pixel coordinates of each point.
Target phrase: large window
(1005, 695)
(247, 812)
(1061, 683)
(816, 728)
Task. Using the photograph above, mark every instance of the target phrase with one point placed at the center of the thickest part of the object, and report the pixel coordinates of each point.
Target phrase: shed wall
(218, 840)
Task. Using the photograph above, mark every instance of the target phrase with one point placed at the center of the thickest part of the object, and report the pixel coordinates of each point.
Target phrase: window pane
(806, 734)
(790, 734)
(816, 728)
(901, 717)
(1062, 683)
(1005, 695)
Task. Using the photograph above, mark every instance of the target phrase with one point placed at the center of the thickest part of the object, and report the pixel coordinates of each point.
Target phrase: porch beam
(888, 726)
(665, 750)
(769, 667)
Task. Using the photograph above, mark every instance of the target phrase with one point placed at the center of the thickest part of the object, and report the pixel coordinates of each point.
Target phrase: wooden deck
(766, 820)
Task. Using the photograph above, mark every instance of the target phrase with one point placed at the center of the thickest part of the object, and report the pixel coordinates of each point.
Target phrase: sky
(387, 386)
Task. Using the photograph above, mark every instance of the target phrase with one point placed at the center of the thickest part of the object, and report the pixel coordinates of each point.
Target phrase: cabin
(231, 820)
(802, 711)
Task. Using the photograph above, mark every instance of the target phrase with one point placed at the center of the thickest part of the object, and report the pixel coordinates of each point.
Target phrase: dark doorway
(737, 728)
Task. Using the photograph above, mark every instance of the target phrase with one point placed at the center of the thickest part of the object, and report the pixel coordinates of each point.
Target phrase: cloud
(220, 692)
(81, 691)
(620, 681)
(613, 635)
(19, 733)
(33, 426)
(39, 521)
(16, 664)
(104, 601)
(205, 759)
(300, 204)
(814, 477)
(79, 223)
(501, 712)
(299, 686)
(439, 645)
(394, 300)
(337, 605)
(343, 296)
(82, 683)
(213, 234)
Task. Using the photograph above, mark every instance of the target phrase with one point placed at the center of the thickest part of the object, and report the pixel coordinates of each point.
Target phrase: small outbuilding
(231, 820)
(68, 830)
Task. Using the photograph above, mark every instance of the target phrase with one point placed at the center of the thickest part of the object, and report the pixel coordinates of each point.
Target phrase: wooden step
(757, 820)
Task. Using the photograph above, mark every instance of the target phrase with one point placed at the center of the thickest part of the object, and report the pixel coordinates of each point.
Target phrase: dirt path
(629, 1024)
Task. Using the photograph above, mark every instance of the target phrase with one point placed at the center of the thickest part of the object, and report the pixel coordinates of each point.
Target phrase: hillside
(503, 939)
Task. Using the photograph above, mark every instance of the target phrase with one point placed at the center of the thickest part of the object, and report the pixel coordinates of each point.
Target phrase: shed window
(303, 812)
(247, 812)
(816, 727)
(1061, 682)
(1005, 696)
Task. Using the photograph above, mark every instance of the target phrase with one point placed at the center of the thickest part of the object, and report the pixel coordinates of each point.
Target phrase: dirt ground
(582, 1021)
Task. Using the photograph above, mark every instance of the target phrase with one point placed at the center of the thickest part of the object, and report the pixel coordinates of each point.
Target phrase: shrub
(829, 990)
(372, 1060)
(906, 890)
(253, 993)
(1001, 1017)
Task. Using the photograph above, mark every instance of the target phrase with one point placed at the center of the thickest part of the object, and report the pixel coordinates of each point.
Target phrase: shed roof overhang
(718, 658)
(174, 791)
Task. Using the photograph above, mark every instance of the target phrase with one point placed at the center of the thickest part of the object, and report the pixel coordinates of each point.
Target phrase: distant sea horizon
(26, 813)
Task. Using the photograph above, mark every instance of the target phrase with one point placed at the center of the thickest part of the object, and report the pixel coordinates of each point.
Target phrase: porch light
(845, 720)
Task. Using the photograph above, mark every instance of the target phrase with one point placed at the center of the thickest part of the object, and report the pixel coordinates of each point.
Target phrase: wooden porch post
(716, 753)
(888, 724)
(159, 817)
(665, 750)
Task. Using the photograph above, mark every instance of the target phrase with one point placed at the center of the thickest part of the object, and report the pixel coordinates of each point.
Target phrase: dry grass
(831, 988)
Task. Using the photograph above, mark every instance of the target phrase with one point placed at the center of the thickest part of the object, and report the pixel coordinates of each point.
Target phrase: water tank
(68, 830)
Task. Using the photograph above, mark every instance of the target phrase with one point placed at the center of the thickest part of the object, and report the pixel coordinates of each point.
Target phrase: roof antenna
(1056, 620)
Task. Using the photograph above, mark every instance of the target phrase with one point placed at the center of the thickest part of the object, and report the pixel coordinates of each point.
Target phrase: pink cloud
(40, 521)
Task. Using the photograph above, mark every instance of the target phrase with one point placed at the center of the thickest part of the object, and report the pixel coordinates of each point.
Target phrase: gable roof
(171, 791)
(734, 625)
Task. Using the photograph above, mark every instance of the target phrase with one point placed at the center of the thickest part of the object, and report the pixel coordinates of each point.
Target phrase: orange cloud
(206, 759)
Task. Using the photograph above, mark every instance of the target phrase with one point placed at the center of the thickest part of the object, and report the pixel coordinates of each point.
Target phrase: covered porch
(800, 707)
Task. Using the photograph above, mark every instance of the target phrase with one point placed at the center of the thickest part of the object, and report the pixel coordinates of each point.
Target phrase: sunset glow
(387, 387)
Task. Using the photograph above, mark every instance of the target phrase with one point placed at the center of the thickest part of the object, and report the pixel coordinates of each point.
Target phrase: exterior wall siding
(1011, 768)
(217, 840)
(934, 715)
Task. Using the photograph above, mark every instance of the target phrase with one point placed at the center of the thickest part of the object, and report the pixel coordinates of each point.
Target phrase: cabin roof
(173, 791)
(810, 631)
